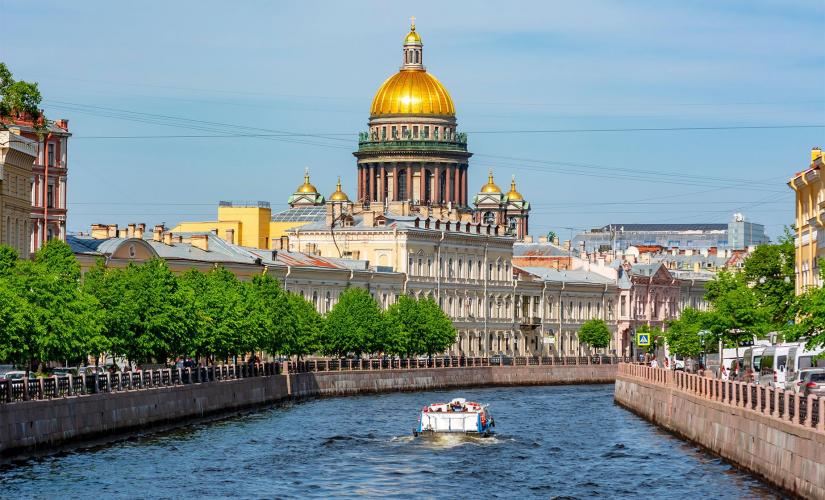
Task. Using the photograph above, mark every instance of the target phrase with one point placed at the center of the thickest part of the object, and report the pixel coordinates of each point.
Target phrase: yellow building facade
(810, 212)
(17, 154)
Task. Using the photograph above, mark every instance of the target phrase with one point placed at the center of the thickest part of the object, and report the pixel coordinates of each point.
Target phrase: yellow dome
(514, 195)
(306, 187)
(412, 92)
(412, 36)
(490, 187)
(338, 195)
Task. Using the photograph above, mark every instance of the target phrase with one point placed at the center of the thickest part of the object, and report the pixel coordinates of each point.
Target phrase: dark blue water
(563, 441)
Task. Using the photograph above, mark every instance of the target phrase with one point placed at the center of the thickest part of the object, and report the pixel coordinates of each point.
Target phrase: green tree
(438, 332)
(810, 316)
(18, 327)
(736, 313)
(69, 320)
(224, 324)
(595, 333)
(271, 322)
(682, 335)
(305, 330)
(19, 98)
(353, 325)
(769, 272)
(404, 327)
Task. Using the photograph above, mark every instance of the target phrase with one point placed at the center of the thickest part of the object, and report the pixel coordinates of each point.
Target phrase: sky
(545, 90)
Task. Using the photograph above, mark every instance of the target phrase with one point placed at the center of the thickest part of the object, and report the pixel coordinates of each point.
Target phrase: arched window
(470, 270)
(450, 268)
(460, 268)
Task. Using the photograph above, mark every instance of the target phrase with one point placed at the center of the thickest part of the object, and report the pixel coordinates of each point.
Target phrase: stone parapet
(776, 434)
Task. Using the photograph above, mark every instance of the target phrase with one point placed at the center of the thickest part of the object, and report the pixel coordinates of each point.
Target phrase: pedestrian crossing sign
(642, 339)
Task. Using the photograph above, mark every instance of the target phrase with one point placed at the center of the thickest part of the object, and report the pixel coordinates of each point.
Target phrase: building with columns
(412, 150)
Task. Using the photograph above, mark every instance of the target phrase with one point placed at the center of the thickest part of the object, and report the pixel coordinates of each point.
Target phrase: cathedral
(414, 160)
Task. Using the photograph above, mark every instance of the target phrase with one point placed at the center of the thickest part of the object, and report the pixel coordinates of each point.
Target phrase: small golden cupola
(338, 195)
(514, 195)
(491, 186)
(306, 187)
(306, 194)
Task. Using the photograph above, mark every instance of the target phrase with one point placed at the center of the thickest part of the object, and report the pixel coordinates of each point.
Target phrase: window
(395, 132)
(420, 267)
(51, 154)
(50, 196)
(410, 267)
(450, 267)
(426, 131)
(415, 131)
(460, 268)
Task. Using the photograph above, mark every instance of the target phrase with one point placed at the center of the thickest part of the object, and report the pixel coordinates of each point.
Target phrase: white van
(800, 359)
(774, 364)
(752, 360)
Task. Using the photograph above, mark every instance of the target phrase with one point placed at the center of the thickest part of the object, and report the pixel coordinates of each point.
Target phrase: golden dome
(338, 195)
(514, 195)
(490, 187)
(306, 187)
(412, 92)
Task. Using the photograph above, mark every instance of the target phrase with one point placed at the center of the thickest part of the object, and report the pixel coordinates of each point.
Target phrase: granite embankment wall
(342, 383)
(27, 427)
(772, 433)
(30, 427)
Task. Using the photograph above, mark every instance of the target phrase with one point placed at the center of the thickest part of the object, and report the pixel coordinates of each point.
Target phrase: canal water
(552, 442)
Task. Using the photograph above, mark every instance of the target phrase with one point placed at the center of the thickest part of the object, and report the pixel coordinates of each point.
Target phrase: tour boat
(459, 416)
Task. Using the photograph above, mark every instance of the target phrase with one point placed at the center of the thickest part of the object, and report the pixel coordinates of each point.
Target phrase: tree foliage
(354, 325)
(417, 327)
(595, 333)
(18, 97)
(683, 335)
(810, 319)
(144, 313)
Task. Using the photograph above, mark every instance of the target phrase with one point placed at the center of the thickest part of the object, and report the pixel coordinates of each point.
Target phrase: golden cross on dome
(412, 23)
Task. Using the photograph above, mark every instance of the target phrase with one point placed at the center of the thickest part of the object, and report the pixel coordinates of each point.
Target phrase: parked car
(65, 370)
(18, 375)
(793, 383)
(91, 370)
(812, 382)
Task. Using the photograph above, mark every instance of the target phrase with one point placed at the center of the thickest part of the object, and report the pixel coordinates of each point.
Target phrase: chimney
(123, 233)
(139, 230)
(100, 231)
(167, 239)
(330, 216)
(157, 232)
(200, 241)
(112, 231)
(130, 231)
(229, 235)
(816, 152)
(369, 219)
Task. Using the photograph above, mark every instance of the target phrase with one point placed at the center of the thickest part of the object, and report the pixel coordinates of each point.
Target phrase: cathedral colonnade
(433, 183)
